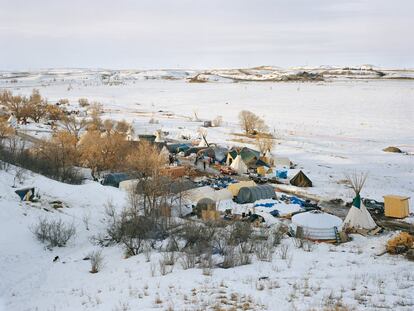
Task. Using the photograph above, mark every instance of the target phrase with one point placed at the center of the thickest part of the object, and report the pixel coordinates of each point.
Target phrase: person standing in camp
(204, 164)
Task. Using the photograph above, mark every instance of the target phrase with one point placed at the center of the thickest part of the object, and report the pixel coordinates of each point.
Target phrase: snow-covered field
(327, 128)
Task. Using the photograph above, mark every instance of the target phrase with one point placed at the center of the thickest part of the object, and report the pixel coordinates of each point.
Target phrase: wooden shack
(396, 206)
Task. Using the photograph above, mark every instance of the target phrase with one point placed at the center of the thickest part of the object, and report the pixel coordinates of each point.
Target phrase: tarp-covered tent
(113, 179)
(128, 185)
(177, 148)
(252, 194)
(247, 155)
(239, 166)
(234, 188)
(301, 180)
(26, 194)
(281, 162)
(196, 194)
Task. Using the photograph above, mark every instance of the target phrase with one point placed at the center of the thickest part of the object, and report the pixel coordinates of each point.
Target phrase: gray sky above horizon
(205, 34)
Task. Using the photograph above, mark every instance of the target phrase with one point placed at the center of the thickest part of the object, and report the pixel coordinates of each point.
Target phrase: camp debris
(400, 243)
(26, 194)
(392, 149)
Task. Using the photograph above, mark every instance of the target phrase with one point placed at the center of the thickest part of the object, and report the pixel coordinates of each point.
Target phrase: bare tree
(264, 144)
(251, 123)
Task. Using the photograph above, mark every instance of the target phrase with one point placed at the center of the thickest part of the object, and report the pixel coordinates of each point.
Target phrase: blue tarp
(281, 174)
(293, 200)
(265, 204)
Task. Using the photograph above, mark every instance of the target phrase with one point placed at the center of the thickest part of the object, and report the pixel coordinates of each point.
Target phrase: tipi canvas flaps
(238, 165)
(358, 216)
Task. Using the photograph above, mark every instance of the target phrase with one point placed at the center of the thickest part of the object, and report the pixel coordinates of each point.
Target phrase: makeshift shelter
(234, 188)
(253, 194)
(301, 180)
(177, 148)
(239, 166)
(220, 153)
(223, 194)
(358, 216)
(147, 137)
(281, 162)
(113, 179)
(128, 185)
(202, 143)
(196, 194)
(316, 225)
(26, 194)
(231, 156)
(396, 206)
(262, 170)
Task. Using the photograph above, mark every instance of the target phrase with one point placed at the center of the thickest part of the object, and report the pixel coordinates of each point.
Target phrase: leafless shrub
(54, 232)
(263, 251)
(164, 267)
(188, 259)
(243, 258)
(277, 234)
(283, 251)
(96, 259)
(147, 252)
(169, 258)
(83, 102)
(229, 257)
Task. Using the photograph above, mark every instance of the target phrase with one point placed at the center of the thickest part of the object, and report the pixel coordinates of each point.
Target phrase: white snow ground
(328, 128)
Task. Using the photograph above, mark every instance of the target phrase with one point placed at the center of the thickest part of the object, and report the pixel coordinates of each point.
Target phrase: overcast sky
(205, 34)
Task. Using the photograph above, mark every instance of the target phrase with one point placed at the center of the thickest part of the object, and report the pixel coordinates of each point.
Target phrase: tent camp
(234, 188)
(239, 166)
(358, 216)
(247, 155)
(301, 180)
(252, 194)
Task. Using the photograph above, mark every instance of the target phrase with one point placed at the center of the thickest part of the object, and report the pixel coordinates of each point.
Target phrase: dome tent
(253, 194)
(301, 180)
(317, 225)
(358, 216)
(238, 165)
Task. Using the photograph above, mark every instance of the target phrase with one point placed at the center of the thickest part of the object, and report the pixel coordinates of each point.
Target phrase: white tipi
(358, 216)
(159, 136)
(238, 165)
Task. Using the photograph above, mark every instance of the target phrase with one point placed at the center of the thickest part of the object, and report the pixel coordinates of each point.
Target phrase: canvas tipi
(358, 216)
(238, 165)
(159, 136)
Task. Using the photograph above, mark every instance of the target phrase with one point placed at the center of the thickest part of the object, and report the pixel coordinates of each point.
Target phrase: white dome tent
(317, 225)
(358, 216)
(238, 165)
